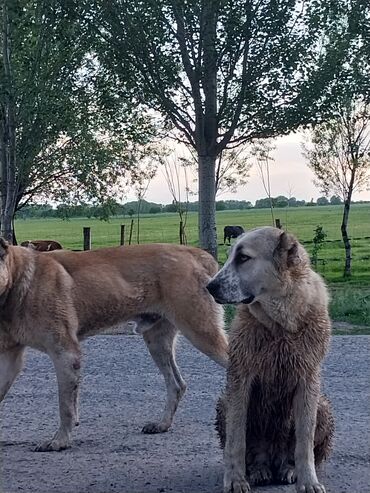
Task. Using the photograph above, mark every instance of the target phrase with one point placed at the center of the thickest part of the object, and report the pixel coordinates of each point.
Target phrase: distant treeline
(130, 208)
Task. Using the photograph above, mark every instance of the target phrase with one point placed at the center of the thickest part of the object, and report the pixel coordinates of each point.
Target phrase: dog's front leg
(67, 365)
(11, 362)
(305, 413)
(237, 400)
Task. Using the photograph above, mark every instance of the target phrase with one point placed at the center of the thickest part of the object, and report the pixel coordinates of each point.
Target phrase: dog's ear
(3, 248)
(287, 251)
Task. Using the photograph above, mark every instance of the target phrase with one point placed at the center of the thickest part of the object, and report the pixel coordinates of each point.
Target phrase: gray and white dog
(272, 420)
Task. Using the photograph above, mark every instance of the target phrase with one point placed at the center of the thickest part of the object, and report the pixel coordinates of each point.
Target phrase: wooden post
(122, 234)
(87, 238)
(278, 223)
(181, 233)
(131, 228)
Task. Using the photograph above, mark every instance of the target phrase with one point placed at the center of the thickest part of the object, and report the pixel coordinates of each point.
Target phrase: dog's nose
(212, 288)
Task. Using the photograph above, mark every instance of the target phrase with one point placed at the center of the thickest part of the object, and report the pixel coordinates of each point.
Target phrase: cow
(42, 245)
(232, 232)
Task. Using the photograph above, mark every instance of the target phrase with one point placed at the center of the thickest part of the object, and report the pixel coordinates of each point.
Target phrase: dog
(51, 301)
(272, 421)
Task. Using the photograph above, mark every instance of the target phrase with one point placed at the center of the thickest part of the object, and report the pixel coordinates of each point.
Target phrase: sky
(290, 176)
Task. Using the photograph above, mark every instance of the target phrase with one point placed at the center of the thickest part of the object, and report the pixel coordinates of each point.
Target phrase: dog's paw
(60, 441)
(52, 446)
(235, 484)
(286, 475)
(152, 428)
(310, 488)
(259, 475)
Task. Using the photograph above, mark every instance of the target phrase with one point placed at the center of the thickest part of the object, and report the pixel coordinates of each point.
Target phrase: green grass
(350, 297)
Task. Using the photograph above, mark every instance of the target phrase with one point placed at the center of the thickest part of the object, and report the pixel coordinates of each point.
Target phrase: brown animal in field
(42, 245)
(272, 421)
(52, 301)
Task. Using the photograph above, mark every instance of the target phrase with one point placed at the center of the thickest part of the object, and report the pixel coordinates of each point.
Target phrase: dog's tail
(324, 430)
(209, 264)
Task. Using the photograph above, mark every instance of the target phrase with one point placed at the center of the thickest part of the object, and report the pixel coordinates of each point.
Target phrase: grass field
(351, 299)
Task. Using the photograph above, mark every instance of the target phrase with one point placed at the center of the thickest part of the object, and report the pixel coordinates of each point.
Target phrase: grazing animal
(42, 245)
(232, 232)
(52, 301)
(272, 421)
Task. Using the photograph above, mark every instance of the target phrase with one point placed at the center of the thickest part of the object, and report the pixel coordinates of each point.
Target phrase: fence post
(131, 228)
(122, 234)
(278, 223)
(87, 238)
(181, 233)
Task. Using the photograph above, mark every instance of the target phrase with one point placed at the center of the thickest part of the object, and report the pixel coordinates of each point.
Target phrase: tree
(232, 169)
(322, 201)
(60, 135)
(141, 176)
(224, 72)
(172, 168)
(281, 201)
(262, 153)
(339, 155)
(335, 200)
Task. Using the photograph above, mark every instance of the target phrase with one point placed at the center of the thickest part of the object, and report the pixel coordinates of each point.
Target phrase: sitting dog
(51, 301)
(272, 421)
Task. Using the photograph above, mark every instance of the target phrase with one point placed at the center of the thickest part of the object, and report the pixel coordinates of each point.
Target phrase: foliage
(335, 200)
(173, 168)
(261, 152)
(322, 201)
(338, 151)
(339, 156)
(70, 140)
(222, 73)
(318, 243)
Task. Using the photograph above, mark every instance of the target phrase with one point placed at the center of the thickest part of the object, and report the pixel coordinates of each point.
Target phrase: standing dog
(51, 301)
(272, 421)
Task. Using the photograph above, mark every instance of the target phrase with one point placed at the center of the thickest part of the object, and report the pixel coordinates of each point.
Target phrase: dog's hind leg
(161, 340)
(203, 327)
(67, 365)
(11, 363)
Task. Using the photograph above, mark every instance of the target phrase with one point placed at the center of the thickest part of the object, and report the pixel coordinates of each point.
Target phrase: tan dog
(272, 420)
(50, 301)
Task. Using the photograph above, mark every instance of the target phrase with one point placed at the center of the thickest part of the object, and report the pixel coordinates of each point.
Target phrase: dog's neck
(21, 268)
(289, 310)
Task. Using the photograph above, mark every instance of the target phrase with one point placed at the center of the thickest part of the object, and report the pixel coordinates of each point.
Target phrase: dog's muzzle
(213, 288)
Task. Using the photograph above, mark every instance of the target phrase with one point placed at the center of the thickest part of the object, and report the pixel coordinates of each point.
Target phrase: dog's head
(258, 266)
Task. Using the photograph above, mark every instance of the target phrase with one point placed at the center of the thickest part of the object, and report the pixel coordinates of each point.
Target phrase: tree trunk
(207, 204)
(347, 205)
(347, 243)
(7, 139)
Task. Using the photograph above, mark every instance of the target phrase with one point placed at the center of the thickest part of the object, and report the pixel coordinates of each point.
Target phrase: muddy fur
(273, 423)
(277, 455)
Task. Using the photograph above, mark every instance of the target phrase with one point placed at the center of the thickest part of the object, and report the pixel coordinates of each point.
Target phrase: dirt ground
(122, 390)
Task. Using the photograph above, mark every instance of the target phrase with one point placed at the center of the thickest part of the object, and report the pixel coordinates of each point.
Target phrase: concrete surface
(122, 390)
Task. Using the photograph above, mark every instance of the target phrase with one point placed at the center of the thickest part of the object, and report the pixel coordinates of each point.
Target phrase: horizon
(289, 173)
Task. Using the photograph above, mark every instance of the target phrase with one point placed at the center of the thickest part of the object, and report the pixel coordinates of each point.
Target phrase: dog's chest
(277, 361)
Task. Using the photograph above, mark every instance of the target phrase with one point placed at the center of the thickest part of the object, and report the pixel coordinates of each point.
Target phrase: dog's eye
(242, 257)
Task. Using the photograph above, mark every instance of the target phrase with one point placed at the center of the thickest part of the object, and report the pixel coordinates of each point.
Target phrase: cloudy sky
(290, 176)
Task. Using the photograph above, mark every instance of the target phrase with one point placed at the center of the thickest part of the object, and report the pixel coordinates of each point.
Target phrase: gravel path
(122, 390)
